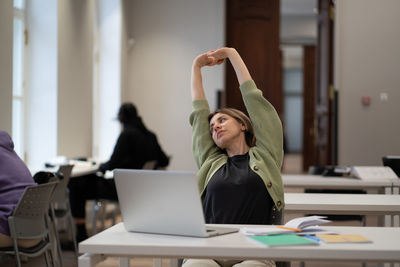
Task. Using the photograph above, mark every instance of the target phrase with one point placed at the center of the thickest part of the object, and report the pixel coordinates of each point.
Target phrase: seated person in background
(126, 154)
(239, 158)
(135, 146)
(14, 178)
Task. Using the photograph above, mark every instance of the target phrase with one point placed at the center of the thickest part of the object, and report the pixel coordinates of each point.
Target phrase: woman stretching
(239, 158)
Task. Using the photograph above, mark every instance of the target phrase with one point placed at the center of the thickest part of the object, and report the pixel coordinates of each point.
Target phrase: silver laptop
(162, 202)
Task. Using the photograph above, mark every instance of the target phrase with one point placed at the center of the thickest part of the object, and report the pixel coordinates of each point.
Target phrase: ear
(243, 127)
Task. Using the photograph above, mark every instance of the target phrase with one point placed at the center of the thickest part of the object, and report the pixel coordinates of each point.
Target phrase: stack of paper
(313, 230)
(303, 222)
(307, 224)
(264, 231)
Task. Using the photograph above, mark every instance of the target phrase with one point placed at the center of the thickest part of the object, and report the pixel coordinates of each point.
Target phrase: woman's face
(226, 130)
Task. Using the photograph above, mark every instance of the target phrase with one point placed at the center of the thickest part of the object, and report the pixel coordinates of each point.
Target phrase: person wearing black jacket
(135, 146)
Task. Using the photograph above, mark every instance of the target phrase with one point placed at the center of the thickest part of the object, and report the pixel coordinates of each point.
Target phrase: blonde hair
(241, 118)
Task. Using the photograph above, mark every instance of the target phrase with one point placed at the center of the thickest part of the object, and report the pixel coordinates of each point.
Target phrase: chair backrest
(153, 165)
(393, 162)
(29, 217)
(150, 165)
(60, 193)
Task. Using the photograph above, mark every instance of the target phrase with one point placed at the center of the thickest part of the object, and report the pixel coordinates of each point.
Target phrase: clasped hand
(212, 57)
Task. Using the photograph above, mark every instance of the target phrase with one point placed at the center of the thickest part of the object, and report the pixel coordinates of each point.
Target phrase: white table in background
(355, 204)
(117, 242)
(382, 185)
(79, 169)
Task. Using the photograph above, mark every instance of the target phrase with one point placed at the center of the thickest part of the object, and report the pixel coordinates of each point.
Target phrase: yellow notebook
(343, 238)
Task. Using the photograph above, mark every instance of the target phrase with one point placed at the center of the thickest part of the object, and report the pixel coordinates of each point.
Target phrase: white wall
(75, 67)
(367, 63)
(6, 63)
(167, 36)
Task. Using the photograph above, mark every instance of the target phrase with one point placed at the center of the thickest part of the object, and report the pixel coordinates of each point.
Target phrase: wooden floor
(292, 165)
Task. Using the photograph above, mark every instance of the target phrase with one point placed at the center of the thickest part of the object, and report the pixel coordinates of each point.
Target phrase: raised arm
(239, 66)
(202, 144)
(197, 80)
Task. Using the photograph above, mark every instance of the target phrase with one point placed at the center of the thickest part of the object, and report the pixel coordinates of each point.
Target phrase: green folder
(282, 240)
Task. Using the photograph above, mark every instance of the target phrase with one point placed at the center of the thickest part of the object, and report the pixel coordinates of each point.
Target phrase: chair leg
(114, 214)
(17, 259)
(59, 251)
(54, 227)
(103, 216)
(46, 257)
(364, 220)
(17, 256)
(73, 233)
(53, 234)
(94, 216)
(100, 213)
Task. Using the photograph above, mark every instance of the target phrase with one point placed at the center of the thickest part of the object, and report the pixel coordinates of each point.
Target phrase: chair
(60, 206)
(60, 211)
(30, 220)
(150, 165)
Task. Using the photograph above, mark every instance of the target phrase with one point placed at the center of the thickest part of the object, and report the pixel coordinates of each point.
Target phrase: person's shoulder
(5, 140)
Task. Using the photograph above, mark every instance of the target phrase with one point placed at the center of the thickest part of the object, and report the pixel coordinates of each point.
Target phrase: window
(18, 78)
(293, 97)
(107, 78)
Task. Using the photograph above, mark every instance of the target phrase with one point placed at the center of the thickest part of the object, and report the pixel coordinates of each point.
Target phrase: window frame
(19, 88)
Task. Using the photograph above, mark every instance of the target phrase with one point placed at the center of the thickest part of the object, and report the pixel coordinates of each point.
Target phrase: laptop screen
(155, 201)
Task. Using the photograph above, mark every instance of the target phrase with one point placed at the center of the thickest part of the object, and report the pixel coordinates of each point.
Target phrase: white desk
(79, 169)
(115, 241)
(358, 204)
(383, 185)
(84, 170)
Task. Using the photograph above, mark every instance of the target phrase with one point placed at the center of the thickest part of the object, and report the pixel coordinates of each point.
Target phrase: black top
(133, 149)
(237, 195)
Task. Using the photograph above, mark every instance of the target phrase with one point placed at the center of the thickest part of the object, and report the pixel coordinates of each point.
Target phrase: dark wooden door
(252, 28)
(309, 86)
